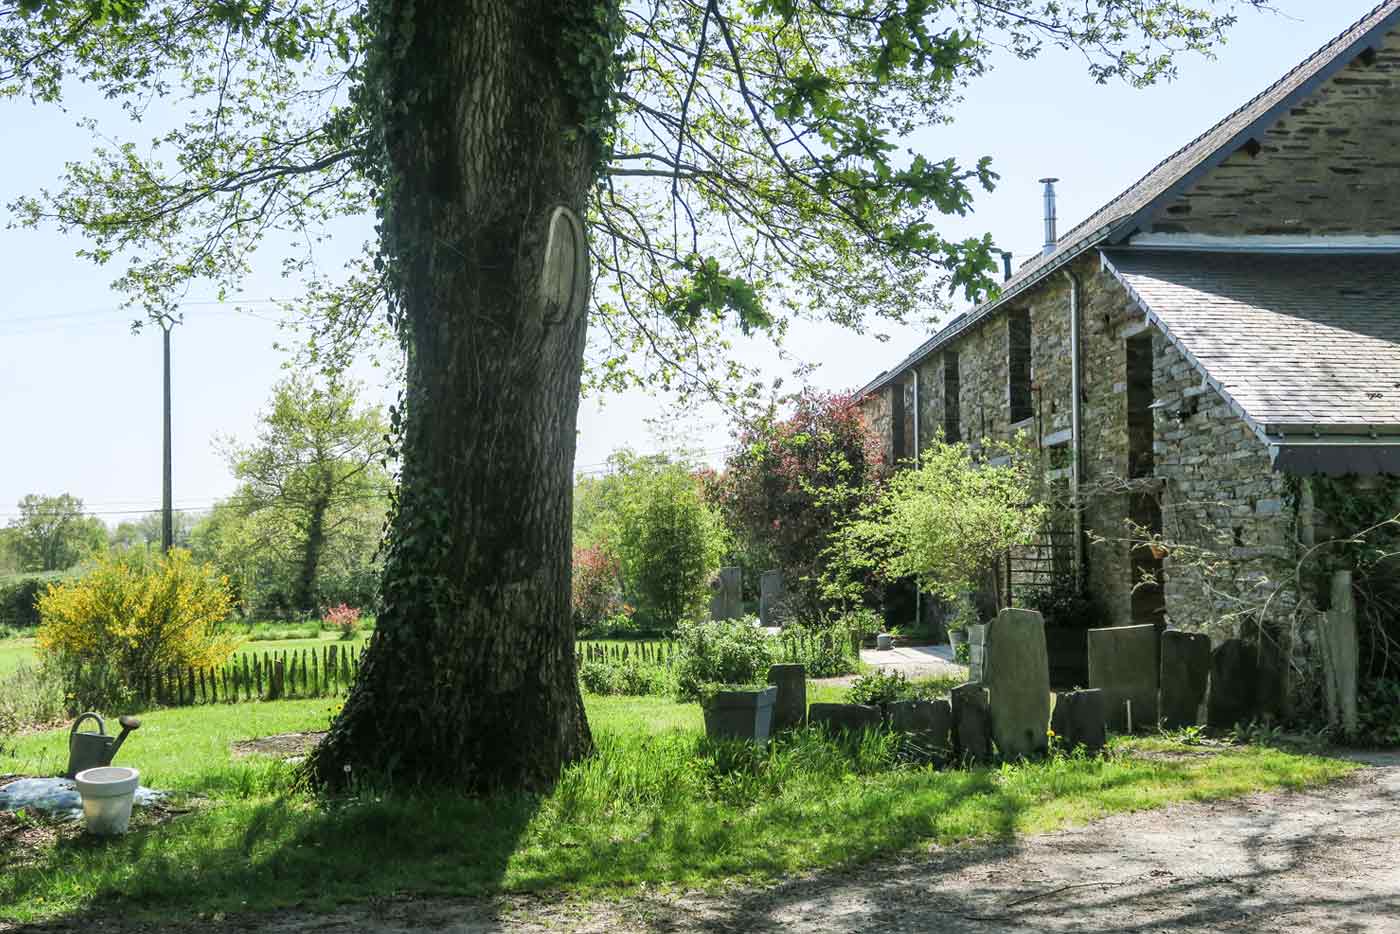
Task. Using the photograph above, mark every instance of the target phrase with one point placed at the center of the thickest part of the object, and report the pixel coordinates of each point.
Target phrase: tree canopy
(751, 161)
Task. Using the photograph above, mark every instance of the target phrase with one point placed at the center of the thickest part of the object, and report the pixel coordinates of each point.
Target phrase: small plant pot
(746, 715)
(884, 641)
(107, 793)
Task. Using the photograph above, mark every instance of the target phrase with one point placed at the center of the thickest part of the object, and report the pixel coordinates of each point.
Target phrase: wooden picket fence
(647, 653)
(325, 671)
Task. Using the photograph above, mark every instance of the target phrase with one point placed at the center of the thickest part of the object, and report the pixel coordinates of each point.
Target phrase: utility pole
(167, 513)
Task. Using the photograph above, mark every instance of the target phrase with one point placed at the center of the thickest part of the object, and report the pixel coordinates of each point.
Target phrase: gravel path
(1326, 860)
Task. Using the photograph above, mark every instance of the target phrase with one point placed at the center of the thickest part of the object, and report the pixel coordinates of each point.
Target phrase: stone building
(1189, 356)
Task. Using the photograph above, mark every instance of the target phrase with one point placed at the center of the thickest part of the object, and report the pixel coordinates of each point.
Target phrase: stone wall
(1222, 505)
(1331, 165)
(1210, 475)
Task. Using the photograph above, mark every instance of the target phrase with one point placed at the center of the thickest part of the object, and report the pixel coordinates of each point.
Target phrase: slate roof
(1125, 214)
(1299, 344)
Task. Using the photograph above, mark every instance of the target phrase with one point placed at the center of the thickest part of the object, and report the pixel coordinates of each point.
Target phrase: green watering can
(94, 750)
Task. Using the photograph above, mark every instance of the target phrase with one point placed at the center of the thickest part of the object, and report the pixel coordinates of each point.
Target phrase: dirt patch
(283, 745)
(1322, 860)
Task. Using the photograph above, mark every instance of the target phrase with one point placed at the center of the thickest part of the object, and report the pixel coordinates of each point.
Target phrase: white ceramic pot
(107, 796)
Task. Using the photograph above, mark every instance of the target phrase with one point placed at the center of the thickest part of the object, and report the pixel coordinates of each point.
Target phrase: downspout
(918, 591)
(1074, 427)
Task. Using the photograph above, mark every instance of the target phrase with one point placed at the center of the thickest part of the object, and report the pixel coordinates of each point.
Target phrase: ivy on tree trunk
(470, 677)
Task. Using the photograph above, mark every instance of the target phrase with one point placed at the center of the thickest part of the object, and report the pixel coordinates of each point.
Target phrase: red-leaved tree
(792, 481)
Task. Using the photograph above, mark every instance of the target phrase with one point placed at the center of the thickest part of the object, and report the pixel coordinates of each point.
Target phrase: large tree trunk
(470, 677)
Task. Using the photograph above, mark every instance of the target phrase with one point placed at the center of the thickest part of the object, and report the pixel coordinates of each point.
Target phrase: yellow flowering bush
(131, 618)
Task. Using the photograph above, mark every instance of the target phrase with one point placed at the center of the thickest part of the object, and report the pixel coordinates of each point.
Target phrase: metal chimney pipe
(1051, 237)
(1005, 267)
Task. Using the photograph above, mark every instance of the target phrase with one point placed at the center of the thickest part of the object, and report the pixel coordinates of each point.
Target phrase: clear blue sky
(80, 395)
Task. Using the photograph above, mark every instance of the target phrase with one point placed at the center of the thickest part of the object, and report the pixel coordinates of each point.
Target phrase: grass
(657, 804)
(15, 653)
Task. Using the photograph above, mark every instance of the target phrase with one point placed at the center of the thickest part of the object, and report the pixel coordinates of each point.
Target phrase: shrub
(1378, 709)
(721, 652)
(824, 649)
(131, 618)
(945, 522)
(598, 676)
(19, 597)
(597, 587)
(344, 618)
(881, 687)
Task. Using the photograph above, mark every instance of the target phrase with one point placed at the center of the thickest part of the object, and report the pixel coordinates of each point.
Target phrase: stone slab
(741, 715)
(931, 719)
(1078, 720)
(972, 722)
(976, 642)
(727, 600)
(770, 596)
(791, 706)
(1123, 664)
(1234, 676)
(850, 718)
(1016, 673)
(1184, 677)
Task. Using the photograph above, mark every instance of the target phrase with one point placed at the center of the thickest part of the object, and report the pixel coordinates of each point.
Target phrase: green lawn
(15, 654)
(657, 804)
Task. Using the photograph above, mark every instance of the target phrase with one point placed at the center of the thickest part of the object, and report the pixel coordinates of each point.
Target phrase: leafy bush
(825, 650)
(721, 652)
(598, 676)
(131, 618)
(597, 587)
(345, 619)
(944, 522)
(881, 687)
(1378, 713)
(19, 597)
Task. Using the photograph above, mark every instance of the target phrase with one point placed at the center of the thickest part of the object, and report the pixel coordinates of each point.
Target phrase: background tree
(145, 531)
(790, 484)
(668, 541)
(945, 522)
(52, 533)
(737, 163)
(314, 481)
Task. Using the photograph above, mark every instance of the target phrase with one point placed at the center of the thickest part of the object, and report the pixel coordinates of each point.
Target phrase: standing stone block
(770, 595)
(1234, 674)
(727, 602)
(1341, 654)
(972, 722)
(791, 706)
(932, 720)
(845, 718)
(1016, 673)
(1123, 664)
(1184, 676)
(1079, 720)
(976, 650)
